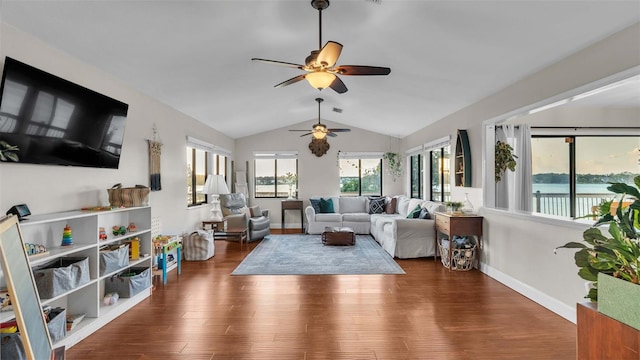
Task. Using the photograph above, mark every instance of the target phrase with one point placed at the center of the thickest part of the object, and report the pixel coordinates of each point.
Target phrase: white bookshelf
(88, 298)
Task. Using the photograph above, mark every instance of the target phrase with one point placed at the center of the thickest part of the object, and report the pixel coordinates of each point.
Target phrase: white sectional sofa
(400, 237)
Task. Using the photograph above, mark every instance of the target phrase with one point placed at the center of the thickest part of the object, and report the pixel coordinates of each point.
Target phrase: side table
(460, 225)
(293, 205)
(215, 225)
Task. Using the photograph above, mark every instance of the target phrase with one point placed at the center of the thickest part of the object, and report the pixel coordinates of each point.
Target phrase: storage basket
(113, 260)
(128, 283)
(61, 275)
(128, 197)
(462, 258)
(57, 324)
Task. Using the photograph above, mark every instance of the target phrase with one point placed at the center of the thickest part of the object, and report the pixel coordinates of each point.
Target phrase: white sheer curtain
(514, 191)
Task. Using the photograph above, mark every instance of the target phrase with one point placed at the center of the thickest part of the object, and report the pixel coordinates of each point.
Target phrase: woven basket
(462, 259)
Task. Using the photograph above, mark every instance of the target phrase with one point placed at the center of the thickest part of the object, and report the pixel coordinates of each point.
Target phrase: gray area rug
(306, 255)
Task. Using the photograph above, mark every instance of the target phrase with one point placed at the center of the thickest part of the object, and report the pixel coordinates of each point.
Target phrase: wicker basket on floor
(462, 259)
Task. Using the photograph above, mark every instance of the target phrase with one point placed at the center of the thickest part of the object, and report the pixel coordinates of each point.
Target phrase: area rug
(306, 255)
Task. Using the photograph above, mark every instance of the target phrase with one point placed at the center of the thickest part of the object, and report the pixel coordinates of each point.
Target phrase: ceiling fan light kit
(320, 65)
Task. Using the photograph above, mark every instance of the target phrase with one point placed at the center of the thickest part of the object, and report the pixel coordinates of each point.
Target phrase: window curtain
(514, 191)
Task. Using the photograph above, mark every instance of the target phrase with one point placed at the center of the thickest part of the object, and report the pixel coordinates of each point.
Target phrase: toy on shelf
(67, 239)
(131, 227)
(119, 230)
(102, 234)
(35, 250)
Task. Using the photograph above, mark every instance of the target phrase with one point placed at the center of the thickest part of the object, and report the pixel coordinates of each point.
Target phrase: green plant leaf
(593, 294)
(582, 258)
(588, 274)
(12, 157)
(593, 235)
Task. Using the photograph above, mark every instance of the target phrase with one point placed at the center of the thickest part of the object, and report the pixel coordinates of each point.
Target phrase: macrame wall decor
(154, 161)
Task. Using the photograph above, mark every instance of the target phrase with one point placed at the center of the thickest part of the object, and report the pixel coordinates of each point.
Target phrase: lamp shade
(215, 184)
(320, 79)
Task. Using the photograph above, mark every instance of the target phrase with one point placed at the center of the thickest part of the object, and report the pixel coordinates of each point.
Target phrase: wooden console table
(293, 205)
(460, 225)
(601, 337)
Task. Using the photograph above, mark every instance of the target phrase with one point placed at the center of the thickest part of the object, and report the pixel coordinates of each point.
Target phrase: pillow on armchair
(255, 211)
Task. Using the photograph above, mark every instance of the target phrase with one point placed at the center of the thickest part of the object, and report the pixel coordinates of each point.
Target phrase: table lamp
(214, 186)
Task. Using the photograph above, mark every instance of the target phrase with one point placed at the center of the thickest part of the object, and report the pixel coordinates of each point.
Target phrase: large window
(440, 179)
(276, 175)
(360, 176)
(571, 173)
(202, 160)
(415, 170)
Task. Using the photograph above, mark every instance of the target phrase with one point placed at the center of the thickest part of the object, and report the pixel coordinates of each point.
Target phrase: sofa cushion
(332, 217)
(255, 211)
(433, 206)
(356, 217)
(315, 203)
(403, 206)
(353, 204)
(326, 206)
(390, 206)
(376, 205)
(413, 214)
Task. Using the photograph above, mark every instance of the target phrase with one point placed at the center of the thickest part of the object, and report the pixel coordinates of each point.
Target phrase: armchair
(237, 213)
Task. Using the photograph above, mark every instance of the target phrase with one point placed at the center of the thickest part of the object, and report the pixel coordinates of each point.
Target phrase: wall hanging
(154, 161)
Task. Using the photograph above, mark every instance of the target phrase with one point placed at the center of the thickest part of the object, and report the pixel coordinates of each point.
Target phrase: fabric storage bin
(198, 246)
(113, 260)
(61, 275)
(129, 282)
(57, 324)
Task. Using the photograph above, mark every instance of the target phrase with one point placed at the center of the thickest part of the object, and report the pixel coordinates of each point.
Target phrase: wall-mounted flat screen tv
(54, 121)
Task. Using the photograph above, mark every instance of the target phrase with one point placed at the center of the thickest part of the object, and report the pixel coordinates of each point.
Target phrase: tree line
(563, 178)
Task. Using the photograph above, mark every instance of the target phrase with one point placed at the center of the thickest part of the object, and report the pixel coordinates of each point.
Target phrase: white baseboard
(558, 307)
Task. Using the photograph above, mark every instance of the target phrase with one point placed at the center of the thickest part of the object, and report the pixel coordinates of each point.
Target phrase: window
(276, 175)
(202, 159)
(415, 169)
(440, 179)
(571, 173)
(360, 174)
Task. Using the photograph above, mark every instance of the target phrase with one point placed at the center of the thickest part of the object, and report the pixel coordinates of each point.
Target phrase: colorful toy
(132, 227)
(102, 234)
(119, 230)
(66, 236)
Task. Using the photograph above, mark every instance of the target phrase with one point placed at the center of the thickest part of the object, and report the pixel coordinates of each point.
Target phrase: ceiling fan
(320, 65)
(319, 130)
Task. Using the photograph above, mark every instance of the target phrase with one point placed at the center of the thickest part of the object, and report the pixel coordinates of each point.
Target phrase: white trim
(558, 307)
(199, 144)
(359, 155)
(414, 150)
(275, 154)
(586, 131)
(438, 143)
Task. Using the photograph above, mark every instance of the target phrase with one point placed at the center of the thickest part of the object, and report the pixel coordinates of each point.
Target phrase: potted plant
(394, 164)
(8, 152)
(505, 159)
(612, 263)
(454, 206)
(290, 179)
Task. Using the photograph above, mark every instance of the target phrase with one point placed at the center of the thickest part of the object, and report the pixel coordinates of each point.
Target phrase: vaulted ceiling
(196, 55)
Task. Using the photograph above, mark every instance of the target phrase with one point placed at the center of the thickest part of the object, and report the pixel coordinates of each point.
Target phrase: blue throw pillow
(414, 213)
(315, 203)
(424, 214)
(326, 206)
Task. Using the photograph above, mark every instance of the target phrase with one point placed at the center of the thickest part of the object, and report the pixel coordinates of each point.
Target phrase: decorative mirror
(319, 147)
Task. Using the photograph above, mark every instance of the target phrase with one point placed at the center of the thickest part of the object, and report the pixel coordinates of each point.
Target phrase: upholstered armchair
(237, 213)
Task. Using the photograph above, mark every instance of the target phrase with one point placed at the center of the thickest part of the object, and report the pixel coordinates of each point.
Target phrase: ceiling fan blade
(329, 133)
(338, 86)
(297, 130)
(329, 53)
(361, 70)
(291, 81)
(339, 130)
(309, 133)
(275, 62)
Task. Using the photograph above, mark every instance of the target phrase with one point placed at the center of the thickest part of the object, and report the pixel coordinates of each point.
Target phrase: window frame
(275, 156)
(359, 157)
(442, 196)
(420, 179)
(215, 163)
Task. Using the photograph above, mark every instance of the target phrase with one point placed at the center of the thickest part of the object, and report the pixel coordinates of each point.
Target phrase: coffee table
(233, 233)
(338, 236)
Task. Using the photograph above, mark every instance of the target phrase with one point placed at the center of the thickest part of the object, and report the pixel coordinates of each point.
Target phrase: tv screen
(54, 121)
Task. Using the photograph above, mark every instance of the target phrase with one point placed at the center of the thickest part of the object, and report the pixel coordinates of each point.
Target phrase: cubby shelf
(88, 298)
(462, 160)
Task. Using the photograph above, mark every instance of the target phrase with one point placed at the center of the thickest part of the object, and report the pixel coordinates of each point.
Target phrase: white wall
(518, 249)
(316, 175)
(47, 188)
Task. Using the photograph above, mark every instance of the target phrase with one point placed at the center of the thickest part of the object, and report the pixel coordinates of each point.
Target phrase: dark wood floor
(429, 313)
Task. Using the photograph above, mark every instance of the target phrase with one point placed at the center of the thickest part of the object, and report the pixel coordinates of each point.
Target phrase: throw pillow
(326, 206)
(376, 205)
(424, 214)
(255, 211)
(414, 213)
(315, 203)
(391, 207)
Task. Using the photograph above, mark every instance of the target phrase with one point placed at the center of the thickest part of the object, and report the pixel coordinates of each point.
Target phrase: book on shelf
(73, 320)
